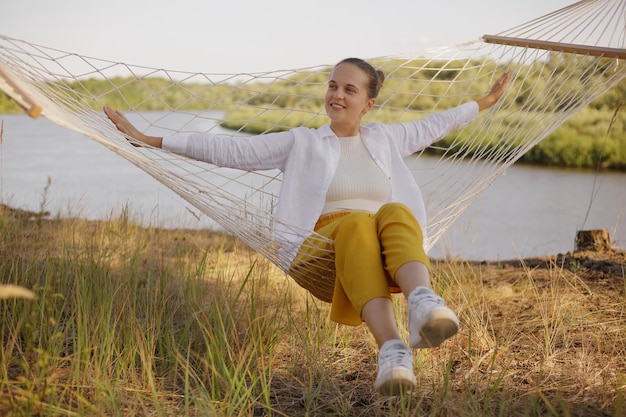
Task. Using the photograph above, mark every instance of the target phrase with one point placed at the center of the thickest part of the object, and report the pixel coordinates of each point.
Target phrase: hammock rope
(560, 62)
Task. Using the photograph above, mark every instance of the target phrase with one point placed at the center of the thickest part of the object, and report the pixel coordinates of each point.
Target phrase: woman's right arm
(123, 125)
(261, 152)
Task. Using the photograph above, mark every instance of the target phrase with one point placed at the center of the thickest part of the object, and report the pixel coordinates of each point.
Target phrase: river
(530, 211)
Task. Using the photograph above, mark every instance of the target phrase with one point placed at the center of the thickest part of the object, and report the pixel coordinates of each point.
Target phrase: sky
(232, 36)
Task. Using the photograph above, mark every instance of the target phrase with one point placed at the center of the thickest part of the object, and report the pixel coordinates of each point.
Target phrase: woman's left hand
(495, 93)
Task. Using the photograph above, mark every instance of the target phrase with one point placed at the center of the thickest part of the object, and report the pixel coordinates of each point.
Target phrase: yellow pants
(368, 250)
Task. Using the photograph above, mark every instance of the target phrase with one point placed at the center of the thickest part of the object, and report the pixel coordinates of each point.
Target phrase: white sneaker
(430, 321)
(395, 369)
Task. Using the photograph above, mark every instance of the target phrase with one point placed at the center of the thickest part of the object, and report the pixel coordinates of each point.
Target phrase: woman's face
(346, 99)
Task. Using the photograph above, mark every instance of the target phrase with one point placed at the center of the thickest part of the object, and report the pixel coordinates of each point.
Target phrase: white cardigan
(308, 159)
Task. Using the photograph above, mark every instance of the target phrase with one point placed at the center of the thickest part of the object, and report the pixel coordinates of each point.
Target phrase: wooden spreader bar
(557, 46)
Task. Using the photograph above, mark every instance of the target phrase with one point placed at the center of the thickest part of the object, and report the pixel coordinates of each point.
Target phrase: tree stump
(597, 240)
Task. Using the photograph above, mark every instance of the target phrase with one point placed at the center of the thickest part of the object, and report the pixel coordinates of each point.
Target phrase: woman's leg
(411, 275)
(363, 283)
(430, 321)
(379, 316)
(401, 240)
(360, 272)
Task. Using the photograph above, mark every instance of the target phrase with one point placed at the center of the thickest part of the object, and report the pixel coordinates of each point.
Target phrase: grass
(131, 321)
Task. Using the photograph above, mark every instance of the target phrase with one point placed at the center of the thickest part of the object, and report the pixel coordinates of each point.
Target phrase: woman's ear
(369, 105)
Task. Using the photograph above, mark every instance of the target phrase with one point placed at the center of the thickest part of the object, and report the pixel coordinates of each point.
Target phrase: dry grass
(130, 321)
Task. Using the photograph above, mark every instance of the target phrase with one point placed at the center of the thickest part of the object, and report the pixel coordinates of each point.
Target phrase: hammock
(560, 63)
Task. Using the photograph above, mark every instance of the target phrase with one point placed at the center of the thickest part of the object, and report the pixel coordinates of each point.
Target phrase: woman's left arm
(413, 136)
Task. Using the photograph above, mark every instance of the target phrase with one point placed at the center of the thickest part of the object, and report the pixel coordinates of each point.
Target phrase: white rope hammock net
(560, 62)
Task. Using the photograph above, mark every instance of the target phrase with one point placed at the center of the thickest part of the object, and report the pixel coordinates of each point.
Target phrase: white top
(358, 184)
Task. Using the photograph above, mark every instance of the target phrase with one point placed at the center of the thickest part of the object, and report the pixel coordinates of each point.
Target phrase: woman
(349, 183)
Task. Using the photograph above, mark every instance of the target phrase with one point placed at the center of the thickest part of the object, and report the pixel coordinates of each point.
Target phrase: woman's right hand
(123, 125)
